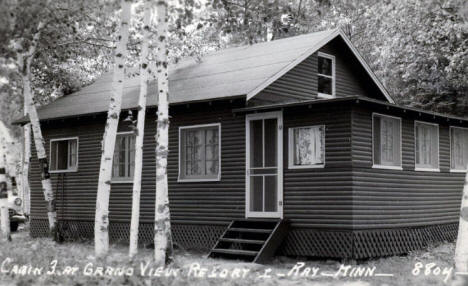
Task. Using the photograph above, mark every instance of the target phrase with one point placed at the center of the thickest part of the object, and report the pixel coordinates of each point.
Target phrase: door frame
(265, 115)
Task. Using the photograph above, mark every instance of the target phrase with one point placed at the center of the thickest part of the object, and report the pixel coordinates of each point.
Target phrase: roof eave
(294, 63)
(315, 48)
(355, 98)
(24, 119)
(367, 67)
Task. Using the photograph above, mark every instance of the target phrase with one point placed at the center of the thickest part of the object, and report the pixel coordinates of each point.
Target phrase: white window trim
(218, 178)
(77, 155)
(450, 147)
(379, 166)
(426, 169)
(333, 77)
(291, 149)
(115, 180)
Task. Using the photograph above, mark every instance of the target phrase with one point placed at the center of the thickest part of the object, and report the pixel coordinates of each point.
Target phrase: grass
(75, 264)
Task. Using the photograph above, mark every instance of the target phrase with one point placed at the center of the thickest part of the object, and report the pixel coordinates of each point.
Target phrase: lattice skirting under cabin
(362, 244)
(358, 244)
(200, 237)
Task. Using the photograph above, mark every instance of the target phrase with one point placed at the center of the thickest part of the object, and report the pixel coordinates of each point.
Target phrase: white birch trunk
(144, 80)
(461, 250)
(4, 216)
(101, 221)
(162, 223)
(26, 157)
(25, 61)
(41, 156)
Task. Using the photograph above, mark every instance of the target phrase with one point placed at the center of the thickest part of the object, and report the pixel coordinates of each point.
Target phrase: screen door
(264, 173)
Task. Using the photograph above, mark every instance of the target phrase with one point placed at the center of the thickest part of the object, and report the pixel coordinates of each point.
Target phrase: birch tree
(162, 224)
(101, 222)
(140, 131)
(24, 62)
(43, 38)
(461, 249)
(4, 216)
(25, 159)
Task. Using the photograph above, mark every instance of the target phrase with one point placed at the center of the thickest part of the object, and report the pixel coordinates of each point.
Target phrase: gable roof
(240, 71)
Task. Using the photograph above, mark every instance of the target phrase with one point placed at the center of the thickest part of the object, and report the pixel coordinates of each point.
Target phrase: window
(200, 153)
(123, 164)
(458, 149)
(386, 141)
(63, 155)
(426, 146)
(326, 75)
(307, 147)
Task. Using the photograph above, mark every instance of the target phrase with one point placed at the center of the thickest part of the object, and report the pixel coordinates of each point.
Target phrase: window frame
(291, 149)
(333, 77)
(115, 180)
(450, 147)
(380, 166)
(182, 179)
(425, 169)
(72, 170)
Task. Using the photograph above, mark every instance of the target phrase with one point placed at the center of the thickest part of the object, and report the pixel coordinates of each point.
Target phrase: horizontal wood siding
(312, 197)
(80, 187)
(209, 202)
(348, 74)
(401, 198)
(198, 203)
(320, 197)
(300, 83)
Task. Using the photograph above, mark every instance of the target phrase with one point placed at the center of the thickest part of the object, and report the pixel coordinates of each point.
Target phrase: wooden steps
(251, 240)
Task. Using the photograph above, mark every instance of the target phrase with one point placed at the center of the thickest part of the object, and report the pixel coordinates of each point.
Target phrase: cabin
(291, 147)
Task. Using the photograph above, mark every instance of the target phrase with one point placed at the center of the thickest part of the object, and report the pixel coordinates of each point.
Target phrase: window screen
(307, 146)
(123, 164)
(458, 148)
(426, 145)
(199, 152)
(387, 140)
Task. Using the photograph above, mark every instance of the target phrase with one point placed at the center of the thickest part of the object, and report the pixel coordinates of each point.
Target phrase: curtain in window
(72, 154)
(124, 157)
(387, 138)
(459, 152)
(131, 156)
(386, 141)
(194, 152)
(211, 152)
(201, 153)
(426, 145)
(308, 146)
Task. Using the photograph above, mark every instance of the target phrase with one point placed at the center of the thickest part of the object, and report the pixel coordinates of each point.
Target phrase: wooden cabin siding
(301, 82)
(80, 186)
(209, 202)
(349, 81)
(401, 198)
(197, 203)
(312, 197)
(320, 197)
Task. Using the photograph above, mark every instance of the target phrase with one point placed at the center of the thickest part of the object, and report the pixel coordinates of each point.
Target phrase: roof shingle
(222, 74)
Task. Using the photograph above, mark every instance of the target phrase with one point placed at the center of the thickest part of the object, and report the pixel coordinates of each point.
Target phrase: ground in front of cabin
(28, 261)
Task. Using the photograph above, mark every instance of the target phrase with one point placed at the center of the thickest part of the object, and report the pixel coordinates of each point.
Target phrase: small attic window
(326, 75)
